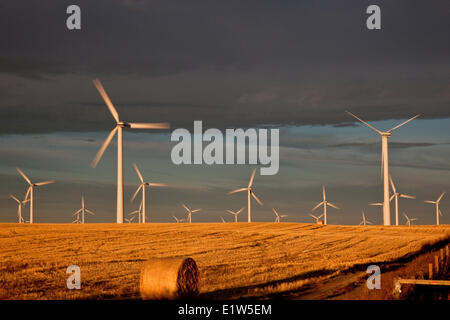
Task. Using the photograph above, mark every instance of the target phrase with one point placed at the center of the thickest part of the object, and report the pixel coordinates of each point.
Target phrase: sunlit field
(235, 260)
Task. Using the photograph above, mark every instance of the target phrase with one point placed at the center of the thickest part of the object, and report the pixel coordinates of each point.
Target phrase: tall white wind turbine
(236, 213)
(436, 203)
(21, 204)
(30, 191)
(325, 203)
(118, 129)
(83, 210)
(364, 220)
(278, 216)
(385, 163)
(142, 187)
(396, 195)
(316, 218)
(190, 212)
(409, 220)
(250, 194)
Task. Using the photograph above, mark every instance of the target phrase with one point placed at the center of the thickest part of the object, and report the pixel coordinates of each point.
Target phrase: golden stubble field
(242, 260)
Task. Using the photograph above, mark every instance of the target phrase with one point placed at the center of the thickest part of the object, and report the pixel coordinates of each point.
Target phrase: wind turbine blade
(105, 97)
(275, 211)
(136, 193)
(25, 201)
(370, 126)
(28, 192)
(361, 223)
(284, 216)
(406, 196)
(318, 205)
(324, 193)
(440, 197)
(14, 198)
(440, 212)
(238, 190)
(89, 211)
(392, 197)
(103, 147)
(428, 201)
(368, 222)
(392, 184)
(138, 172)
(196, 210)
(375, 204)
(229, 211)
(77, 212)
(332, 205)
(23, 175)
(82, 201)
(257, 199)
(43, 183)
(251, 178)
(403, 123)
(240, 210)
(406, 216)
(314, 216)
(156, 125)
(157, 184)
(413, 219)
(184, 206)
(134, 212)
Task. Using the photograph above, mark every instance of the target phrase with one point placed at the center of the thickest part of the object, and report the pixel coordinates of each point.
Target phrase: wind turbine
(438, 211)
(118, 129)
(325, 203)
(395, 196)
(190, 212)
(30, 191)
(385, 163)
(364, 220)
(20, 207)
(409, 220)
(235, 214)
(77, 220)
(316, 218)
(278, 216)
(250, 194)
(138, 212)
(142, 187)
(178, 220)
(83, 210)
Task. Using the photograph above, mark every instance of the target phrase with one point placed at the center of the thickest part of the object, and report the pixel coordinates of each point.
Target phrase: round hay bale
(169, 278)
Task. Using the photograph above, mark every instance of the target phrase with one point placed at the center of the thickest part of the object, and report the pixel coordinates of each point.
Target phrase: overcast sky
(293, 65)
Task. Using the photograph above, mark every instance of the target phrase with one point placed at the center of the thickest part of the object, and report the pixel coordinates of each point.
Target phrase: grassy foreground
(257, 260)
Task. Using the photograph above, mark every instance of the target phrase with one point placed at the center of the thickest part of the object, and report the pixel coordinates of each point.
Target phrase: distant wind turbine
(409, 220)
(395, 196)
(118, 129)
(138, 212)
(250, 194)
(278, 216)
(30, 191)
(436, 203)
(364, 220)
(129, 220)
(235, 214)
(142, 187)
(178, 220)
(83, 210)
(325, 203)
(316, 218)
(385, 163)
(21, 204)
(190, 212)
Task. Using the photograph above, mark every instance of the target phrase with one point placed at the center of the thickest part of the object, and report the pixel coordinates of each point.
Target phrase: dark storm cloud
(229, 63)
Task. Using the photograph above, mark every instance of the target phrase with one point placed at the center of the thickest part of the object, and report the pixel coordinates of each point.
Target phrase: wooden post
(430, 271)
(436, 263)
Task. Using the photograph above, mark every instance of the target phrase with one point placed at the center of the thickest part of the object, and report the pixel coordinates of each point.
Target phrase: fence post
(430, 271)
(436, 263)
